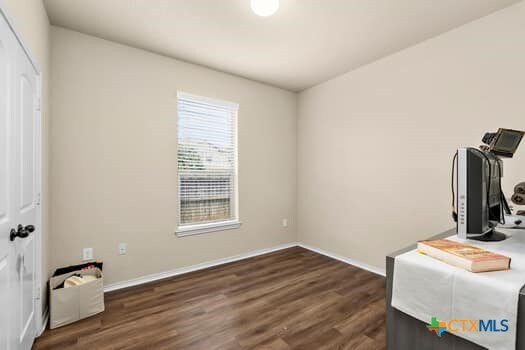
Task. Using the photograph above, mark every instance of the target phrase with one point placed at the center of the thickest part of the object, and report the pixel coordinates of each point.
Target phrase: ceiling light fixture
(265, 8)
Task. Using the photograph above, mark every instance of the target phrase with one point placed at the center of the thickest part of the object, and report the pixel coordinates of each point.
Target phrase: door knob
(21, 232)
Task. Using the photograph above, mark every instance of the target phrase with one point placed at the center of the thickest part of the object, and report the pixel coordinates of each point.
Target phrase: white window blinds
(206, 160)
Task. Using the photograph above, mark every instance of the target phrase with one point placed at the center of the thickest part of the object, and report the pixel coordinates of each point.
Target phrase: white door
(25, 162)
(6, 190)
(19, 183)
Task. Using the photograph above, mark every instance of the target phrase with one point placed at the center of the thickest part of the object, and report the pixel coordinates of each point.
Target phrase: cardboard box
(69, 305)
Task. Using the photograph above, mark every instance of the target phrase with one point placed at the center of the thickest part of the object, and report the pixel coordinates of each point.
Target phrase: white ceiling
(305, 43)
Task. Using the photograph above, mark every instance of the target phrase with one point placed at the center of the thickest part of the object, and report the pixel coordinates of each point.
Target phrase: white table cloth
(424, 287)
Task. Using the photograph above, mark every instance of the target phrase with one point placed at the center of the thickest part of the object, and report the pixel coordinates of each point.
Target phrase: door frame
(40, 321)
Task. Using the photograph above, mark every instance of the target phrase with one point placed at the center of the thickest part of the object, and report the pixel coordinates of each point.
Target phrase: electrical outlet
(285, 222)
(87, 254)
(122, 248)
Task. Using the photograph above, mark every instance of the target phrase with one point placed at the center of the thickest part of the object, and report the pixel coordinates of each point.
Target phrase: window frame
(222, 225)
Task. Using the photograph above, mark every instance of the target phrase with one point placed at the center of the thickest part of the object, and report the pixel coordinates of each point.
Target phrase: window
(207, 164)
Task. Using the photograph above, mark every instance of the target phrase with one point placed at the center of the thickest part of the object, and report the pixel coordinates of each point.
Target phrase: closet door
(19, 183)
(25, 160)
(7, 210)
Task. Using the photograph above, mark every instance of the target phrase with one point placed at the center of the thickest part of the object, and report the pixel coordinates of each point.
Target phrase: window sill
(198, 229)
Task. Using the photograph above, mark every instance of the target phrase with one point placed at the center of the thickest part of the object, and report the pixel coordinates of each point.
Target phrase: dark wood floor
(291, 299)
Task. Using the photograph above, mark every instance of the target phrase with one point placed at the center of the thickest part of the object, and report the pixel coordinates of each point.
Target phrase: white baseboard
(349, 261)
(45, 320)
(158, 276)
(166, 274)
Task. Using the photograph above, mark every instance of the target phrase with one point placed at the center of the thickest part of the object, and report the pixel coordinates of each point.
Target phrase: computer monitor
(480, 204)
(479, 200)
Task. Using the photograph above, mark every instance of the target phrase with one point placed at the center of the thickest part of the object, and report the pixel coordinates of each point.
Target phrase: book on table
(468, 257)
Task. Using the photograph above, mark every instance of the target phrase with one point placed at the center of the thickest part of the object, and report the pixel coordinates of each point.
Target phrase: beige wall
(375, 145)
(31, 23)
(114, 158)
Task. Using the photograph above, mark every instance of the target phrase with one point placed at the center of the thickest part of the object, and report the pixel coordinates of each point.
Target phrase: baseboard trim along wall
(344, 259)
(45, 320)
(158, 276)
(162, 275)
